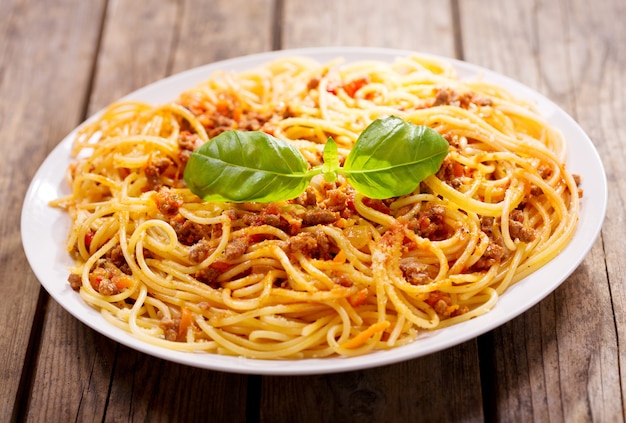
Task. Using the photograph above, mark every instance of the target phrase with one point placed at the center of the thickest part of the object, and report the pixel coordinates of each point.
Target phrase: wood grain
(46, 52)
(141, 44)
(416, 390)
(425, 26)
(418, 387)
(64, 60)
(565, 367)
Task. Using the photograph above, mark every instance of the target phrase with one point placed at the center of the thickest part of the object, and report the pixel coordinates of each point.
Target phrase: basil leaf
(243, 166)
(391, 157)
(330, 167)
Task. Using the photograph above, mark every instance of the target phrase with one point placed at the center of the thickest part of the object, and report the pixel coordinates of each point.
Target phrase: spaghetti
(331, 272)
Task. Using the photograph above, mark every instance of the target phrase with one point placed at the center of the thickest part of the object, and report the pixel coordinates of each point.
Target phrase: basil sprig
(389, 159)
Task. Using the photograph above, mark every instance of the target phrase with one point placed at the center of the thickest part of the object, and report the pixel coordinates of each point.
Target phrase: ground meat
(442, 303)
(429, 222)
(492, 255)
(200, 251)
(535, 191)
(190, 232)
(208, 275)
(451, 172)
(225, 115)
(342, 279)
(577, 179)
(518, 230)
(311, 244)
(336, 202)
(75, 281)
(155, 167)
(303, 242)
(495, 251)
(107, 287)
(448, 97)
(318, 216)
(544, 171)
(167, 202)
(453, 140)
(274, 216)
(170, 328)
(236, 248)
(337, 199)
(443, 97)
(307, 198)
(188, 141)
(313, 83)
(486, 225)
(414, 272)
(116, 257)
(105, 278)
(252, 121)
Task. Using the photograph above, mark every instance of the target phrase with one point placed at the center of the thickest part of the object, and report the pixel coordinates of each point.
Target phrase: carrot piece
(359, 298)
(362, 337)
(185, 320)
(122, 281)
(340, 257)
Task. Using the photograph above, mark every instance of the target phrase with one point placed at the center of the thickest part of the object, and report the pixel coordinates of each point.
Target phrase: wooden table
(62, 60)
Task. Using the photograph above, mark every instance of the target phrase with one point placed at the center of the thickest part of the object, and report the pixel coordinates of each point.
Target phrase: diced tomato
(353, 86)
(88, 238)
(458, 169)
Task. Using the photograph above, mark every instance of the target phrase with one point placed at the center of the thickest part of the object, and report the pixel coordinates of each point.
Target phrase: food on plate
(304, 209)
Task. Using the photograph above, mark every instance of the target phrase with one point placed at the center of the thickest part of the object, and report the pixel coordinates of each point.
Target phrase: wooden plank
(72, 377)
(597, 56)
(143, 43)
(223, 29)
(46, 52)
(559, 361)
(92, 377)
(424, 26)
(439, 387)
(418, 389)
(154, 390)
(202, 35)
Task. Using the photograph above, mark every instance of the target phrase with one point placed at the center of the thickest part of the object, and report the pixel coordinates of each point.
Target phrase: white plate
(44, 230)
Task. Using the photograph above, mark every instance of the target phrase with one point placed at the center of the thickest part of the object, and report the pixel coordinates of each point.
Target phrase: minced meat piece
(236, 248)
(200, 251)
(318, 216)
(414, 272)
(311, 244)
(75, 281)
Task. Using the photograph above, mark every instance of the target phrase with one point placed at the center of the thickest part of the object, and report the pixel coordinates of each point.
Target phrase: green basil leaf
(391, 157)
(331, 161)
(240, 166)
